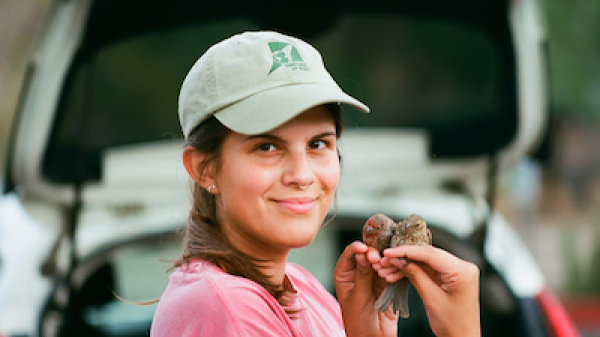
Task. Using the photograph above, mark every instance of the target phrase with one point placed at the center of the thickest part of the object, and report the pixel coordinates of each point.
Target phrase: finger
(438, 259)
(385, 262)
(373, 256)
(364, 274)
(422, 281)
(400, 263)
(345, 271)
(396, 262)
(384, 272)
(347, 260)
(394, 277)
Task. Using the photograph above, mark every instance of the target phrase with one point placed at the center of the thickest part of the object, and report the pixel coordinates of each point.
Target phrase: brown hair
(204, 237)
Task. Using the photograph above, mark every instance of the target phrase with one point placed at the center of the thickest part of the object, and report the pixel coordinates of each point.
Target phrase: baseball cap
(256, 81)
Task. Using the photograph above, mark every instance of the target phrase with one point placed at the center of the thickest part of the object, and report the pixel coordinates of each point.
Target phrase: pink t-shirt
(202, 300)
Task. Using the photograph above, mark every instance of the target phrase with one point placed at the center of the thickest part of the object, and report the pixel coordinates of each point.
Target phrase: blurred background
(554, 205)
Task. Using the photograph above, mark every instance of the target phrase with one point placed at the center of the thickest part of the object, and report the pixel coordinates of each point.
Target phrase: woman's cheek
(331, 174)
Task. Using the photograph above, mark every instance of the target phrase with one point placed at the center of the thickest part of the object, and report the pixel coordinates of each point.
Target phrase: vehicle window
(433, 75)
(137, 278)
(413, 72)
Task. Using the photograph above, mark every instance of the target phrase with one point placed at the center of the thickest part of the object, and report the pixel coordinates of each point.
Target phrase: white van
(95, 192)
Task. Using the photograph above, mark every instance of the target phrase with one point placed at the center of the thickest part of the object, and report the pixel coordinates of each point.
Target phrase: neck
(271, 259)
(274, 269)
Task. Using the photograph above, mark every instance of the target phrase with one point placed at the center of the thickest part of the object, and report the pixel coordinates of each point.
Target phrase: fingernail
(361, 260)
(399, 262)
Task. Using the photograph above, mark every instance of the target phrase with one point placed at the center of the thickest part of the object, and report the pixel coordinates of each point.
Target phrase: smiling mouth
(298, 206)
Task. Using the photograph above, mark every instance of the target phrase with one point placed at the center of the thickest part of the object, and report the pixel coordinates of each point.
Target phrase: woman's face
(275, 189)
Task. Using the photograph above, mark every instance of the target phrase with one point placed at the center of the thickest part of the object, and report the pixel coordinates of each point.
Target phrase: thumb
(363, 280)
(364, 275)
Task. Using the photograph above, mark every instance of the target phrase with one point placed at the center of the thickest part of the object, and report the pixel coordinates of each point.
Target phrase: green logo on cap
(285, 54)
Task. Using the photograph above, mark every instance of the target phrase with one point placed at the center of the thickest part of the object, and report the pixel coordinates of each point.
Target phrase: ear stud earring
(210, 188)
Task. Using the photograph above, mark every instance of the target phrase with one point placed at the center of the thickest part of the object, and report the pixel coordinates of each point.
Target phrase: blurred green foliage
(574, 36)
(582, 275)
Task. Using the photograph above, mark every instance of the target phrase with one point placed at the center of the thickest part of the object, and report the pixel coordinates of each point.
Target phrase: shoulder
(201, 299)
(300, 275)
(310, 287)
(303, 279)
(317, 302)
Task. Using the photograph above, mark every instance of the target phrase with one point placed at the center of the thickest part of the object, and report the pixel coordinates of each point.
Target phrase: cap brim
(267, 110)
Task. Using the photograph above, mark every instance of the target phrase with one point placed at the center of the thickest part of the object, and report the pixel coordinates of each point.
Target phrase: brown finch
(377, 232)
(382, 232)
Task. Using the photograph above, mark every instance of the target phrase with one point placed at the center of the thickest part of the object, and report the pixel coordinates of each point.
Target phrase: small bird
(377, 231)
(382, 232)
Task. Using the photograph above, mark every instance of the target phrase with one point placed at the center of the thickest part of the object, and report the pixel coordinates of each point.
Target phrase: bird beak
(407, 224)
(369, 230)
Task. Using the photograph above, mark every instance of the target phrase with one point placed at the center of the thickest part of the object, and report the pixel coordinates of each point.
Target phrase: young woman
(261, 116)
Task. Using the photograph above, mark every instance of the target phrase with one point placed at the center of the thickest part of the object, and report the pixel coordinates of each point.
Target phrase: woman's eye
(266, 147)
(319, 144)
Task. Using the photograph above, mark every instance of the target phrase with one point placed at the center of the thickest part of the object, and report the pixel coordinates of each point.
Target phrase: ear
(197, 168)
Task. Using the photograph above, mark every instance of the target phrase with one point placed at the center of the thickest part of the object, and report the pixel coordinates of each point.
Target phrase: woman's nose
(298, 170)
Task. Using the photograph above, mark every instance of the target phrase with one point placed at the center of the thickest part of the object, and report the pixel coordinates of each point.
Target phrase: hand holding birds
(381, 232)
(447, 285)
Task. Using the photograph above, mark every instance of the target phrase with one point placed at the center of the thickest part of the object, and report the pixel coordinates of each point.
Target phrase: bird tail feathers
(396, 295)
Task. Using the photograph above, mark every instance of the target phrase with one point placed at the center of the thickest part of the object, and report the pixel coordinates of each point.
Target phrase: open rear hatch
(454, 89)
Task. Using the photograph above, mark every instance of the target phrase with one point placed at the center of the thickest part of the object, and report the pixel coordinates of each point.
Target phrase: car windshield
(432, 75)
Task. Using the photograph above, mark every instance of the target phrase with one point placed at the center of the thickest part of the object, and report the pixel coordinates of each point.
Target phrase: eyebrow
(281, 140)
